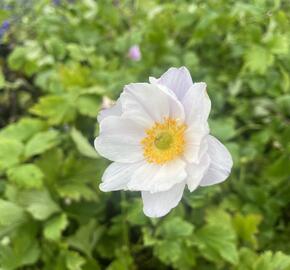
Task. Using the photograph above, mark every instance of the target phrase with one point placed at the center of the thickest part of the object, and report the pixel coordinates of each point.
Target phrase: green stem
(124, 221)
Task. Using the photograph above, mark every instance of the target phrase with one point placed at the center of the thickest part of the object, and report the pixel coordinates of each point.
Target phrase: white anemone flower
(157, 136)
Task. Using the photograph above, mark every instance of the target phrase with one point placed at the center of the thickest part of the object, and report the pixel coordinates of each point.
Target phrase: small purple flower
(4, 27)
(56, 2)
(134, 53)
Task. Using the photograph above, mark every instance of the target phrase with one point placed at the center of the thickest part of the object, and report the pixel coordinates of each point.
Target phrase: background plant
(60, 58)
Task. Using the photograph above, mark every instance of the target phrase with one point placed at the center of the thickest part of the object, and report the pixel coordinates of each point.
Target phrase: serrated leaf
(41, 142)
(88, 105)
(187, 258)
(17, 59)
(54, 227)
(51, 164)
(86, 237)
(168, 251)
(270, 261)
(247, 227)
(56, 109)
(38, 203)
(76, 191)
(26, 176)
(279, 44)
(135, 214)
(10, 153)
(24, 249)
(217, 242)
(11, 215)
(82, 144)
(74, 261)
(217, 239)
(74, 75)
(123, 261)
(175, 228)
(23, 129)
(258, 59)
(223, 128)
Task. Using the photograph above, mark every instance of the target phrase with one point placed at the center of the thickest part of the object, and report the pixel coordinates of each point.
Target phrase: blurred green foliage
(58, 60)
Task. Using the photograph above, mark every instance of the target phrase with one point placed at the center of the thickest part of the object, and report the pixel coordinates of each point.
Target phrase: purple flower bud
(134, 53)
(5, 25)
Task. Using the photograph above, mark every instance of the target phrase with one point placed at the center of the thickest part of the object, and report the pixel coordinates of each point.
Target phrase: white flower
(158, 137)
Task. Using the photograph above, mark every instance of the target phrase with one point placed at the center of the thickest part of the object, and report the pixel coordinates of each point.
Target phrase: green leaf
(38, 203)
(11, 215)
(41, 142)
(51, 163)
(83, 145)
(223, 128)
(217, 239)
(74, 75)
(258, 59)
(17, 58)
(247, 227)
(4, 15)
(23, 129)
(175, 228)
(216, 242)
(247, 259)
(86, 237)
(10, 153)
(26, 176)
(74, 261)
(24, 249)
(55, 226)
(283, 103)
(187, 258)
(135, 214)
(88, 105)
(279, 44)
(279, 169)
(123, 261)
(168, 251)
(56, 109)
(270, 261)
(76, 191)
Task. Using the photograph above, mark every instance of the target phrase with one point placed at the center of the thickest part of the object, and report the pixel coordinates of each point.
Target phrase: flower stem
(126, 240)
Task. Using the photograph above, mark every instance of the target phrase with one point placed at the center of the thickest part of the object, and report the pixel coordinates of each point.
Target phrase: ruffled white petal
(176, 79)
(220, 163)
(160, 203)
(115, 110)
(155, 178)
(153, 80)
(119, 140)
(117, 175)
(195, 172)
(196, 144)
(147, 103)
(196, 105)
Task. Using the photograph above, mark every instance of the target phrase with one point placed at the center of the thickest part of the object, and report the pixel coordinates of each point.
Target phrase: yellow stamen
(164, 141)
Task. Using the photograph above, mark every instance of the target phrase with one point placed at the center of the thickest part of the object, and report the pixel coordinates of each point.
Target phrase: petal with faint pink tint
(119, 140)
(160, 203)
(177, 80)
(220, 163)
(147, 104)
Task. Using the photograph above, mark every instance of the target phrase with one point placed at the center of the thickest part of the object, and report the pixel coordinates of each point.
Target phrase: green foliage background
(59, 60)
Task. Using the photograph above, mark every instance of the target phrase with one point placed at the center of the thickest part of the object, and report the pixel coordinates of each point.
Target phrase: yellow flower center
(164, 141)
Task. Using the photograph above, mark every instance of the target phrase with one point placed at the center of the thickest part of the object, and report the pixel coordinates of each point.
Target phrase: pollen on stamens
(164, 141)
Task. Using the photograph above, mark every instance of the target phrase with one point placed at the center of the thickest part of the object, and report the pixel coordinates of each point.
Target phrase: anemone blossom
(158, 138)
